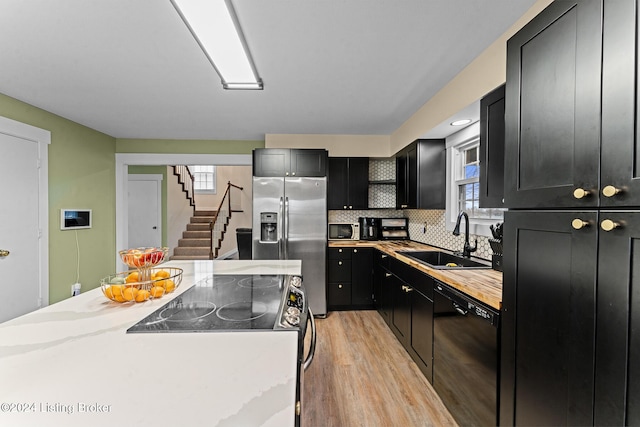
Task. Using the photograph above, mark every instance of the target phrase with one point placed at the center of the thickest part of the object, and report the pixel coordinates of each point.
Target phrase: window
(463, 184)
(204, 179)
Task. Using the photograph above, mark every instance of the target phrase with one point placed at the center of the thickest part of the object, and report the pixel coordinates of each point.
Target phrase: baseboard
(229, 255)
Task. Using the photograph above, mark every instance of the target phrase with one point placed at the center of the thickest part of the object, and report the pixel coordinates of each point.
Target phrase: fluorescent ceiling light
(215, 27)
(461, 122)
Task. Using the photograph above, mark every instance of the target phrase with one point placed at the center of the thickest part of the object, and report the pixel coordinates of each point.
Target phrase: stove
(221, 303)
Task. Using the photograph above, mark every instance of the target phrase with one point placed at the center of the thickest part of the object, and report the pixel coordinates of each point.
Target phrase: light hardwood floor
(362, 376)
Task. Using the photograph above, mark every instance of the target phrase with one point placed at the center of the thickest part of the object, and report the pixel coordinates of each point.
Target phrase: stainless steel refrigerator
(290, 222)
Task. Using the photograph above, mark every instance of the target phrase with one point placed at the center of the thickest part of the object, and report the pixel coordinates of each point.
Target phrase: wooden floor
(362, 376)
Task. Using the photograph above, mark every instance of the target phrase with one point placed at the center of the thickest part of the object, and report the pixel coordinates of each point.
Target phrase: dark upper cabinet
(548, 318)
(552, 112)
(284, 162)
(420, 175)
(492, 149)
(620, 153)
(348, 183)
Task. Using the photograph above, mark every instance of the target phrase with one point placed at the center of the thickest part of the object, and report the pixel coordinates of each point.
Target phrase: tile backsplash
(425, 226)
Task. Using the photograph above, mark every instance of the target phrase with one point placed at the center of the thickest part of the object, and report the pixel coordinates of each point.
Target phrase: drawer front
(340, 253)
(339, 270)
(339, 294)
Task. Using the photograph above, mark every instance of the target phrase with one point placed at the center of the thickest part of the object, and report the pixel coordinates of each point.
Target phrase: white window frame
(208, 191)
(454, 144)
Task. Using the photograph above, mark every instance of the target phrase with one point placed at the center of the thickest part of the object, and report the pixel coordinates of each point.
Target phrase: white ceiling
(131, 69)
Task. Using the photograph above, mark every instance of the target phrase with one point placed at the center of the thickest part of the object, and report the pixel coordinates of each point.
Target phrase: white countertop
(72, 364)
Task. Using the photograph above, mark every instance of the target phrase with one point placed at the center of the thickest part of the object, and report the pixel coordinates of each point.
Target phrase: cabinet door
(362, 277)
(401, 313)
(492, 149)
(358, 183)
(422, 330)
(308, 163)
(412, 176)
(271, 162)
(339, 295)
(548, 318)
(552, 118)
(617, 384)
(401, 180)
(337, 185)
(339, 270)
(431, 179)
(620, 111)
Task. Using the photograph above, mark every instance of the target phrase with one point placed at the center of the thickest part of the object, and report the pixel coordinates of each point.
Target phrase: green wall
(81, 175)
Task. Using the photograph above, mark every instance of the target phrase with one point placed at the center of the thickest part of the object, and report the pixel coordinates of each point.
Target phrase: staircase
(196, 240)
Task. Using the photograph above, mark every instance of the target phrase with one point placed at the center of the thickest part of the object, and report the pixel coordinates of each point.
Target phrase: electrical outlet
(75, 289)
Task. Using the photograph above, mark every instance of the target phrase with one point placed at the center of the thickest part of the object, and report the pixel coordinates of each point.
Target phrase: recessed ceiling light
(461, 122)
(214, 25)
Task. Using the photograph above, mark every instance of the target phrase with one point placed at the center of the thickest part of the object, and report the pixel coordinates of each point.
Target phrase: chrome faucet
(466, 252)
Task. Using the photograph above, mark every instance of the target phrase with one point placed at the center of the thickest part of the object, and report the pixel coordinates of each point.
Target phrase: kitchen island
(73, 364)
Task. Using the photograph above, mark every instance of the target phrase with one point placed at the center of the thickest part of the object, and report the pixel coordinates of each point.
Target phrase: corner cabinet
(348, 183)
(492, 149)
(420, 175)
(284, 162)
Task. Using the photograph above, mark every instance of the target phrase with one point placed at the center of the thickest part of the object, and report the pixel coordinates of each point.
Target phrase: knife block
(496, 258)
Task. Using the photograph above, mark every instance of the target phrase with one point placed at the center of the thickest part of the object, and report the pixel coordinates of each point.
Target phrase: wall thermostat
(74, 219)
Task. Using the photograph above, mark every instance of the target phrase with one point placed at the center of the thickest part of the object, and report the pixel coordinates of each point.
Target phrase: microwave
(344, 231)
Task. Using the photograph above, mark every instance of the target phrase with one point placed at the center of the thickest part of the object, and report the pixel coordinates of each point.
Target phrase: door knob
(579, 193)
(608, 225)
(610, 191)
(4, 252)
(578, 223)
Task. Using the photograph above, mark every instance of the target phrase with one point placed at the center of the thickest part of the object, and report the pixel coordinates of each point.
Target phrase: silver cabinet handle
(384, 256)
(355, 251)
(339, 262)
(387, 274)
(339, 286)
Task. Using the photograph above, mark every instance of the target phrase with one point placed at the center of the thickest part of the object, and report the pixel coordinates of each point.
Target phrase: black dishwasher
(465, 356)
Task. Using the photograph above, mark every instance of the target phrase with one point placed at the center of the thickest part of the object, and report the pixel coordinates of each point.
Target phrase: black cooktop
(220, 303)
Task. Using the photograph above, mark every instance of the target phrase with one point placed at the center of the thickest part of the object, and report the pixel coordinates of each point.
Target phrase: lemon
(129, 294)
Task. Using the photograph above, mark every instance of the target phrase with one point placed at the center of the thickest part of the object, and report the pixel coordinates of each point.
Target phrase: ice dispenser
(268, 227)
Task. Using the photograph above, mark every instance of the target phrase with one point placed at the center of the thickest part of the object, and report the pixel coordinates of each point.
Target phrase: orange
(129, 294)
(108, 292)
(169, 286)
(157, 291)
(164, 274)
(142, 295)
(119, 298)
(116, 290)
(132, 277)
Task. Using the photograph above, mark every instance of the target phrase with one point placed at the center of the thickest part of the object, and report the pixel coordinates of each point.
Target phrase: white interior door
(23, 280)
(145, 210)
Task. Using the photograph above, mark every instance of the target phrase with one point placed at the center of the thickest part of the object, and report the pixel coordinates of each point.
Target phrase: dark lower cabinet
(382, 296)
(617, 374)
(350, 278)
(548, 318)
(409, 311)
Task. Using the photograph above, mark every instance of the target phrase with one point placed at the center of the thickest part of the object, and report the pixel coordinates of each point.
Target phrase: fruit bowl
(143, 257)
(129, 286)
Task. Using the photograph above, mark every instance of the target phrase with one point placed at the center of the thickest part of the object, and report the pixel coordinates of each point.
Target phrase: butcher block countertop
(483, 285)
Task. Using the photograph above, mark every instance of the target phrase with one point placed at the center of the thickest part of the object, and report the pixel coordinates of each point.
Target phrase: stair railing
(220, 224)
(185, 178)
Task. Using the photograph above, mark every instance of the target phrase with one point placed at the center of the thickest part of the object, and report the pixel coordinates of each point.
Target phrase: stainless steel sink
(443, 260)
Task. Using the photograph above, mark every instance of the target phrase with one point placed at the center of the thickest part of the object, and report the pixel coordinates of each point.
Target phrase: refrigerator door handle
(281, 230)
(286, 228)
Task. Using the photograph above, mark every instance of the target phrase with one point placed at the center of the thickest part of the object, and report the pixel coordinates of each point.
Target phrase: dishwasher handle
(460, 309)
